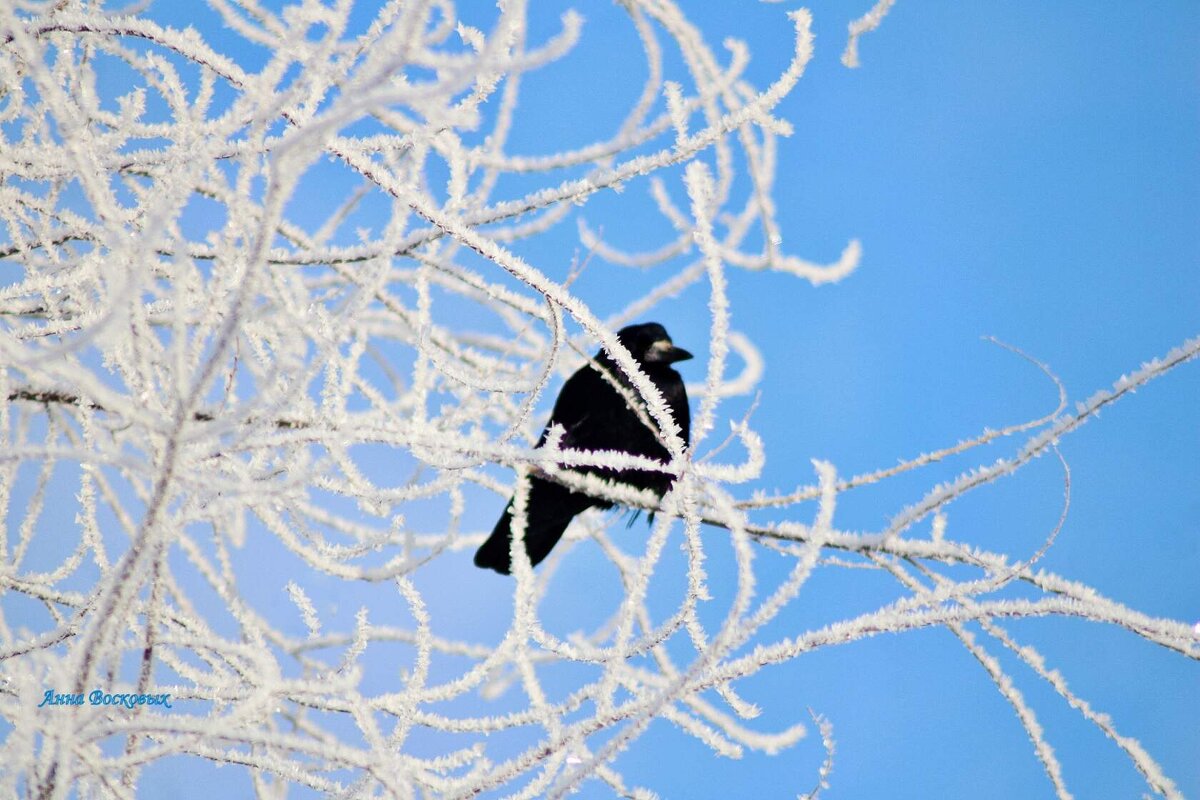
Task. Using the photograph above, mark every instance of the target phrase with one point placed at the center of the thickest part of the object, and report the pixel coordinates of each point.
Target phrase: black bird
(595, 416)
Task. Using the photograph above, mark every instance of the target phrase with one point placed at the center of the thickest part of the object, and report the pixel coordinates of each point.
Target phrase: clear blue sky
(1029, 171)
(1026, 170)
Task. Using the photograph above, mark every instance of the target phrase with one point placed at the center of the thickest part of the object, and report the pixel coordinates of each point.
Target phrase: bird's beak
(663, 352)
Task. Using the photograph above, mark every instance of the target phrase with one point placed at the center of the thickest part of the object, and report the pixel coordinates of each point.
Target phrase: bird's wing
(578, 403)
(678, 400)
(594, 416)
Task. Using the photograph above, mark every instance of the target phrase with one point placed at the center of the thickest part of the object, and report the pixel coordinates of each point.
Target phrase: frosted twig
(283, 308)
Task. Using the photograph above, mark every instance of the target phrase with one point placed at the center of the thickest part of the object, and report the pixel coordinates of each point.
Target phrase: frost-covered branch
(273, 342)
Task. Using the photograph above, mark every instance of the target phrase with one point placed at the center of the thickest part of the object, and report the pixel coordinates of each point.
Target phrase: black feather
(595, 416)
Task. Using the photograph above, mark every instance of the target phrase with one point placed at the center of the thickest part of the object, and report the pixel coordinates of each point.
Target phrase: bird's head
(650, 344)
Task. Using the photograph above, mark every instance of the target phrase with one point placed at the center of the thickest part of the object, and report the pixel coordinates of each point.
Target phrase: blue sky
(1028, 171)
(1031, 172)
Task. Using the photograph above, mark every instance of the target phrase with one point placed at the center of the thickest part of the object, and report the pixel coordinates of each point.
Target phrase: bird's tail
(551, 507)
